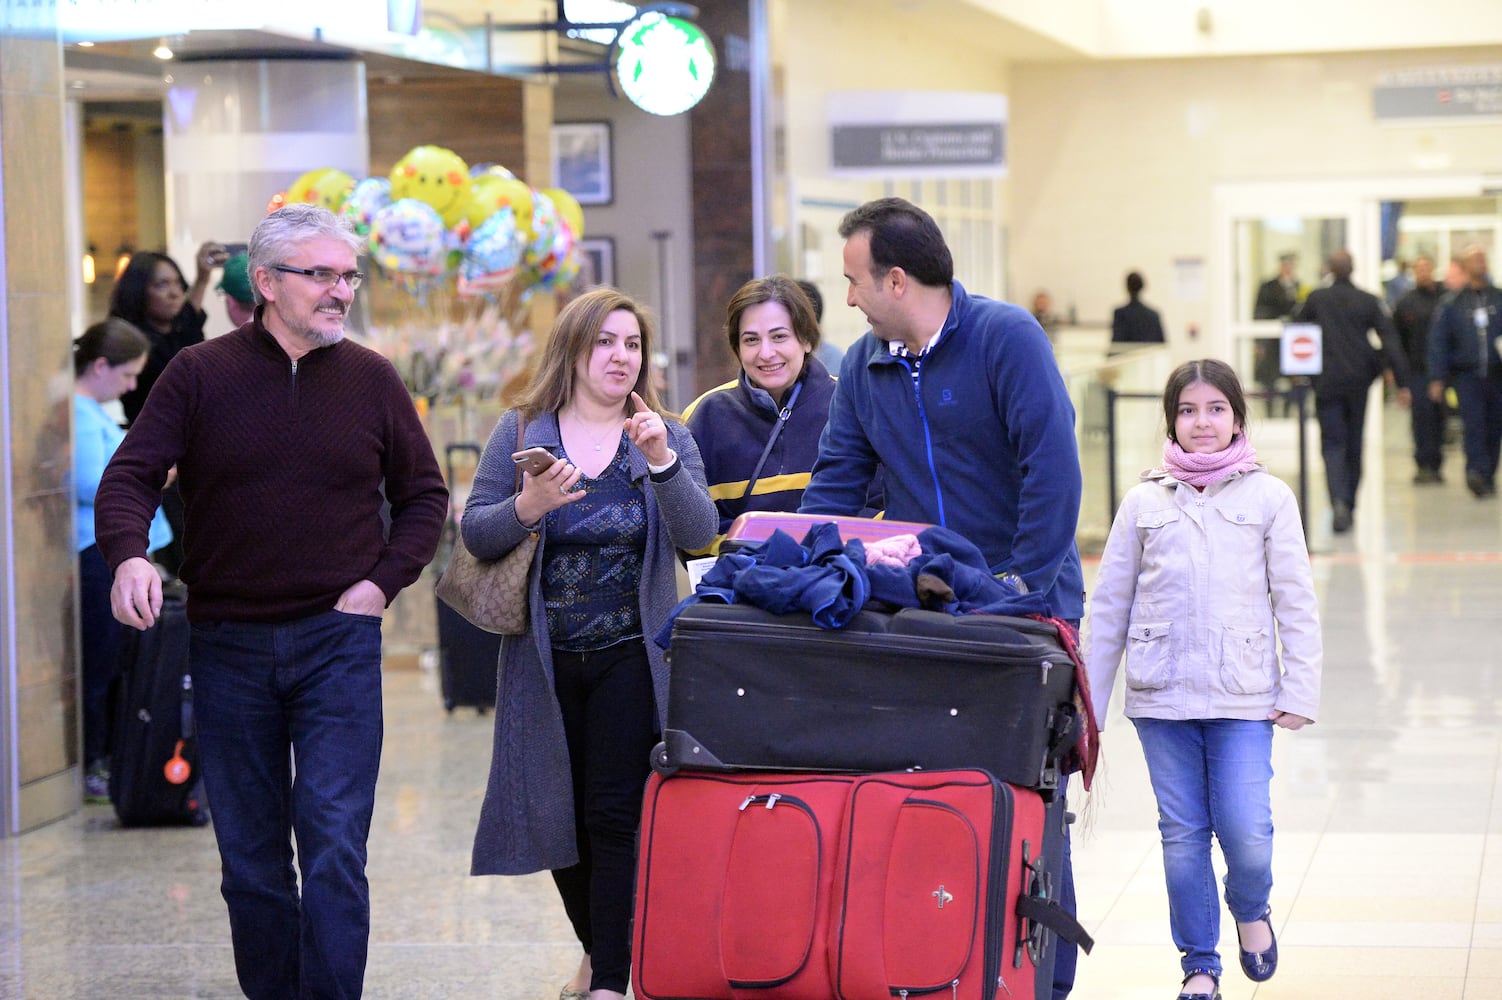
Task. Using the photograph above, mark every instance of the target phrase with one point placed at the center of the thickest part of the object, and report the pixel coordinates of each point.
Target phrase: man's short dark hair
(902, 235)
(1134, 284)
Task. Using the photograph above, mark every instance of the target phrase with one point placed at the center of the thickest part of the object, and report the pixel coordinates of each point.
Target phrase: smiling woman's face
(770, 352)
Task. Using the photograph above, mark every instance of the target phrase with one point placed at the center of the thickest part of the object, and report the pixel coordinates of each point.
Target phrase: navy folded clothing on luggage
(829, 579)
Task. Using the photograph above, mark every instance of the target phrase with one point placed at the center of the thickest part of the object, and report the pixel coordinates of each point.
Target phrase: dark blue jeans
(290, 726)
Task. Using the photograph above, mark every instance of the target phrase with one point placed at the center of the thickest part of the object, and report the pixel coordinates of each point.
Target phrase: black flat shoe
(1212, 995)
(1259, 966)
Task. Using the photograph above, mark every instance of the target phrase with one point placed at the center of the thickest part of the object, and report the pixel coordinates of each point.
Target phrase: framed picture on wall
(581, 161)
(597, 266)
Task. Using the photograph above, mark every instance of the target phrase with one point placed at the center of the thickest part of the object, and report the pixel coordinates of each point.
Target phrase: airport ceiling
(121, 72)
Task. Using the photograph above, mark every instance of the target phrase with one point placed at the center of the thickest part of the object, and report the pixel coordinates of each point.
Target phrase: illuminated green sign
(665, 64)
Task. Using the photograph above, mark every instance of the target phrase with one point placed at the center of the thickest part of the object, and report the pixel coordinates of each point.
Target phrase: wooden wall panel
(482, 118)
(723, 252)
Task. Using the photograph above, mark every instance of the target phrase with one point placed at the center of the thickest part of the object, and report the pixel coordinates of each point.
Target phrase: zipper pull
(772, 799)
(749, 799)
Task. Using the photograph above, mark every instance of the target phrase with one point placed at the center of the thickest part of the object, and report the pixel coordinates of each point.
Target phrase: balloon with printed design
(492, 256)
(543, 231)
(480, 169)
(369, 197)
(408, 237)
(435, 176)
(326, 186)
(568, 210)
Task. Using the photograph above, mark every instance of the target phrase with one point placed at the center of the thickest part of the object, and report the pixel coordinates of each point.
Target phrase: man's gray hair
(278, 236)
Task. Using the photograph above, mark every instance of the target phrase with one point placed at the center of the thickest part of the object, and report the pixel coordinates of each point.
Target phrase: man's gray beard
(325, 339)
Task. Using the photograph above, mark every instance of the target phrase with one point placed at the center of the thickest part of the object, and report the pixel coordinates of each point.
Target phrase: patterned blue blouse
(592, 563)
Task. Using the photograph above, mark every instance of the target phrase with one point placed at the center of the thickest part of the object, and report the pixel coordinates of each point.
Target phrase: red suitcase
(855, 887)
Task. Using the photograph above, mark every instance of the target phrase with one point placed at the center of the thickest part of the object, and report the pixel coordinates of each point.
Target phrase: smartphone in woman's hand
(533, 461)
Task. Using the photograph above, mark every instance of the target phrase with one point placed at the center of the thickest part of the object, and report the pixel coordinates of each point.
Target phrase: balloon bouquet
(437, 226)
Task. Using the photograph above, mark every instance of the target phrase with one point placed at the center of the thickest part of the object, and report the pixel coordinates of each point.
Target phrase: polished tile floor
(1389, 817)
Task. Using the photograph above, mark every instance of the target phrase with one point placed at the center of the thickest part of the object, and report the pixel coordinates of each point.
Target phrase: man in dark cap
(239, 300)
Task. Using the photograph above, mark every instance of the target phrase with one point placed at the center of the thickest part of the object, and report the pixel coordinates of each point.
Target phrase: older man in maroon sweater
(287, 439)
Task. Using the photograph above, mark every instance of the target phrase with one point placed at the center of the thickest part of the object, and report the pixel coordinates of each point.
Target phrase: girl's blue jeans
(1211, 776)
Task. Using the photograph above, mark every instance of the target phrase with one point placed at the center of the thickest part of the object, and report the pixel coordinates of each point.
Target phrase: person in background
(153, 295)
(1043, 312)
(959, 400)
(1346, 316)
(1205, 574)
(1455, 276)
(827, 352)
(1463, 342)
(759, 435)
(106, 361)
(291, 444)
(583, 694)
(1135, 323)
(1278, 296)
(1411, 318)
(239, 297)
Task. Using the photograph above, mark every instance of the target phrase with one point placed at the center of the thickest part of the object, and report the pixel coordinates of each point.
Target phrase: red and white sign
(1302, 349)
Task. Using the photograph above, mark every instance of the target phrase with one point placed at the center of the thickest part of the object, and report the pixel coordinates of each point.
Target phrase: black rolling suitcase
(154, 776)
(915, 689)
(468, 661)
(468, 657)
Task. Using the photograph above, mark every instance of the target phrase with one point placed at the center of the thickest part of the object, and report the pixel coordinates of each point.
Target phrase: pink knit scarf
(1202, 470)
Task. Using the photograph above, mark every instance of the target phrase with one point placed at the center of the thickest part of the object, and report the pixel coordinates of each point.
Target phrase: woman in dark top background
(153, 295)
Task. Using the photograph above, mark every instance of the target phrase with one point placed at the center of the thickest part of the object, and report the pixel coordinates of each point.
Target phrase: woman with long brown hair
(582, 697)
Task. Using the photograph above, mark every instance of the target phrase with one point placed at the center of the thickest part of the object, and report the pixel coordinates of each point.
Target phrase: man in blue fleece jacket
(958, 398)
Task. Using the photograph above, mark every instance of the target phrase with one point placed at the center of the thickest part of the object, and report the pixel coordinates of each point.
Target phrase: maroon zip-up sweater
(281, 467)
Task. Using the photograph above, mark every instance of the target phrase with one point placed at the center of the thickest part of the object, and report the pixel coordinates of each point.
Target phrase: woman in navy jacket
(771, 328)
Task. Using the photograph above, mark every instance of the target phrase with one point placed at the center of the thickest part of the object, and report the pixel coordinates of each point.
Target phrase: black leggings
(610, 721)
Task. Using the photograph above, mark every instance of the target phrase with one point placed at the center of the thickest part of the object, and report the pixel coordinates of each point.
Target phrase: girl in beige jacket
(1205, 575)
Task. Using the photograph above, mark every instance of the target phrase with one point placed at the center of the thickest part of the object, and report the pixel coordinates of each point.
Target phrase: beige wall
(1115, 165)
(1137, 29)
(821, 48)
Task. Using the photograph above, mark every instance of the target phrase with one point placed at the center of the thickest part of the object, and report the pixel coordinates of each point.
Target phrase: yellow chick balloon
(568, 210)
(326, 186)
(436, 176)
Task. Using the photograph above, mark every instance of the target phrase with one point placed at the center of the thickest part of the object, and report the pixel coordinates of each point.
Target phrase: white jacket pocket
(1247, 665)
(1149, 663)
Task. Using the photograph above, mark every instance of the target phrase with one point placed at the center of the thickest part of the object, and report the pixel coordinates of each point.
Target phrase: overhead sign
(917, 134)
(982, 145)
(1302, 349)
(1440, 92)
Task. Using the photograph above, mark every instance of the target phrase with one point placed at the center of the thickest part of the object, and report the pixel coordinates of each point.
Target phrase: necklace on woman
(597, 441)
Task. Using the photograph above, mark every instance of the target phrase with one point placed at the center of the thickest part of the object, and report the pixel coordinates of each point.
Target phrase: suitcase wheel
(661, 763)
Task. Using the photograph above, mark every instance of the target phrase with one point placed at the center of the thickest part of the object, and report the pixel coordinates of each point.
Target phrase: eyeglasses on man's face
(324, 276)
